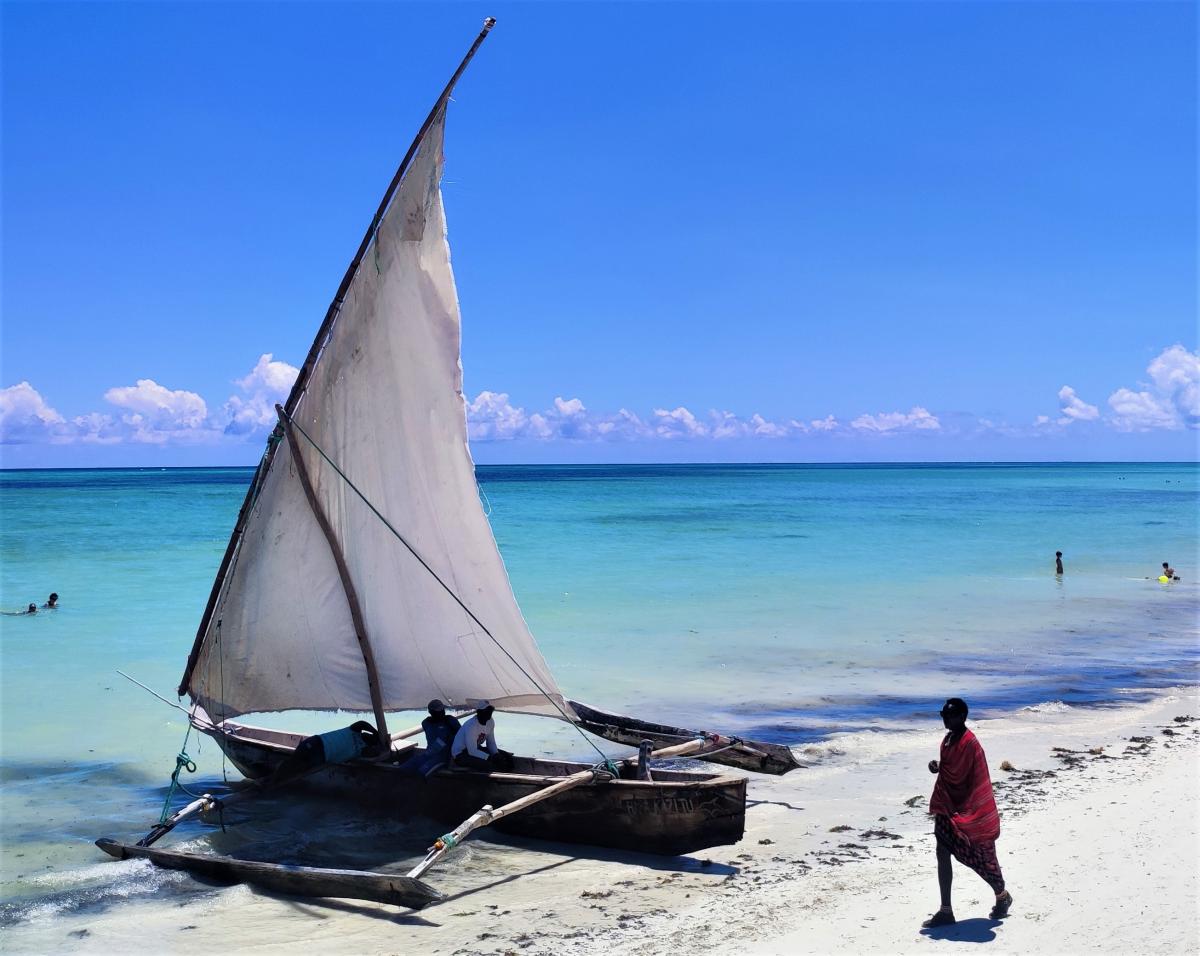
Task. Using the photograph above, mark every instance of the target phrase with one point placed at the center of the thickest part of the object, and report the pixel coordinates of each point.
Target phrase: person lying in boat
(440, 730)
(360, 739)
(475, 743)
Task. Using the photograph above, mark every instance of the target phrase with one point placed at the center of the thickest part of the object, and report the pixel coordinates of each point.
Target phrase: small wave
(817, 753)
(69, 891)
(1047, 707)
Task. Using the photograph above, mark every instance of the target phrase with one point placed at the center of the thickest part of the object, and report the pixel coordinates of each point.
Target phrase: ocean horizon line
(957, 463)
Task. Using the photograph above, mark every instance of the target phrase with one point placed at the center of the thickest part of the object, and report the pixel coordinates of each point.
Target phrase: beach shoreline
(1099, 845)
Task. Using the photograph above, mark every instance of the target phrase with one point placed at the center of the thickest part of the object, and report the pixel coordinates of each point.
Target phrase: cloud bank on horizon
(149, 413)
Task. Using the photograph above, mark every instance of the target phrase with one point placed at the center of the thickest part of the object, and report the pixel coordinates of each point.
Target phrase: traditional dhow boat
(362, 576)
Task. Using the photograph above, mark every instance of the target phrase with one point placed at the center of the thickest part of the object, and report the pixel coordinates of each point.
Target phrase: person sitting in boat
(52, 603)
(360, 739)
(475, 743)
(440, 730)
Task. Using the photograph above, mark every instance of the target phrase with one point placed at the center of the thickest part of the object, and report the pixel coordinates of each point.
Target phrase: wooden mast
(314, 353)
(360, 627)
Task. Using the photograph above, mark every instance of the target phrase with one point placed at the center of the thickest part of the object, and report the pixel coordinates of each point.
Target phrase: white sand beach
(1100, 845)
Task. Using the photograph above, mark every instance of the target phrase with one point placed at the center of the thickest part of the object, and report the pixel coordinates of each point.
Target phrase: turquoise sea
(784, 601)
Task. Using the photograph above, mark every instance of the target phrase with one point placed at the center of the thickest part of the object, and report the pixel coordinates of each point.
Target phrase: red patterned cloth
(963, 791)
(980, 857)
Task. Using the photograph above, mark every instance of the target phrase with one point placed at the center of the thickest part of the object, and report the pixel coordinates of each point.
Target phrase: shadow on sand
(978, 930)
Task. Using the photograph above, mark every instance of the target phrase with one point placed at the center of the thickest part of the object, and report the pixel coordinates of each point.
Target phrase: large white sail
(384, 402)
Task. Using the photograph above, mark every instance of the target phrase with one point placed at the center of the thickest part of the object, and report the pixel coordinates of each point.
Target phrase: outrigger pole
(482, 817)
(314, 354)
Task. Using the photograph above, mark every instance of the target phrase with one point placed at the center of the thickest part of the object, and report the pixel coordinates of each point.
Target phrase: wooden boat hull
(753, 755)
(678, 812)
(293, 880)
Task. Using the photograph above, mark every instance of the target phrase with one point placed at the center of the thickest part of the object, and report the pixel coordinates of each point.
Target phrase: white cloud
(625, 425)
(254, 411)
(678, 423)
(1140, 411)
(727, 425)
(826, 424)
(568, 419)
(761, 428)
(1170, 400)
(491, 417)
(919, 419)
(96, 428)
(26, 417)
(154, 413)
(1073, 408)
(150, 413)
(1176, 374)
(269, 375)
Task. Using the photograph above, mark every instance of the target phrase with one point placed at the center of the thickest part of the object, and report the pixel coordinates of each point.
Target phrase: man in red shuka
(966, 821)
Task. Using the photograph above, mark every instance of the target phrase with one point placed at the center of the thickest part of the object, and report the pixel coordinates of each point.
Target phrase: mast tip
(488, 23)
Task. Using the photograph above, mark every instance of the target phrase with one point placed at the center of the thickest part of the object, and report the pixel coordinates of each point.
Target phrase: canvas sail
(384, 402)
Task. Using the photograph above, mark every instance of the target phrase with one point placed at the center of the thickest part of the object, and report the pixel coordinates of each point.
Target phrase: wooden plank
(291, 880)
(488, 815)
(356, 616)
(751, 755)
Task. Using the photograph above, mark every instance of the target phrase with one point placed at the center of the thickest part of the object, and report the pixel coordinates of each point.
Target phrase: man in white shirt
(475, 746)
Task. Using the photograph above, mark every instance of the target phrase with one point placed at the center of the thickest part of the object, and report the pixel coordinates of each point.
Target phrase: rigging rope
(191, 714)
(182, 761)
(221, 659)
(413, 551)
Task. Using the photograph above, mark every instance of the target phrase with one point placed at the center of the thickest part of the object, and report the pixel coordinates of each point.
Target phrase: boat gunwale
(698, 778)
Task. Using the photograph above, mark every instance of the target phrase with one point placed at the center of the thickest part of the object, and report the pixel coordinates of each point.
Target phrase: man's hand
(933, 766)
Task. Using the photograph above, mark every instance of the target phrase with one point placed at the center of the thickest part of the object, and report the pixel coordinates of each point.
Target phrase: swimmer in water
(1058, 569)
(1168, 572)
(52, 602)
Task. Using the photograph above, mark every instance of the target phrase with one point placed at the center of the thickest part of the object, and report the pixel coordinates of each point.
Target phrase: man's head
(1166, 565)
(437, 708)
(954, 713)
(1058, 554)
(484, 711)
(32, 609)
(53, 598)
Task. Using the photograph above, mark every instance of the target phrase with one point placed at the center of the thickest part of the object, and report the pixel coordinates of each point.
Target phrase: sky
(680, 232)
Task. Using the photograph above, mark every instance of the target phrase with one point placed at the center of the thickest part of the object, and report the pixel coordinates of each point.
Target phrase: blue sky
(888, 230)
